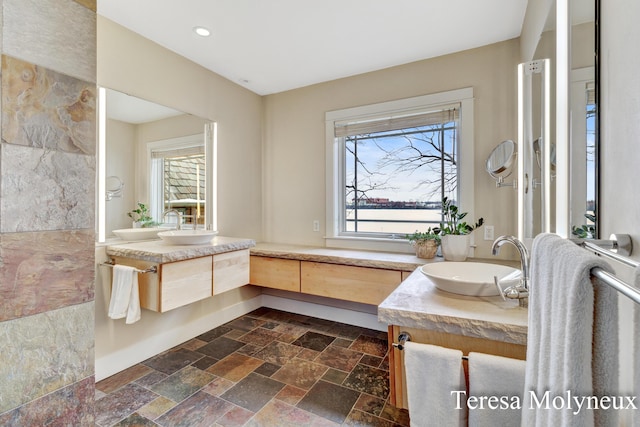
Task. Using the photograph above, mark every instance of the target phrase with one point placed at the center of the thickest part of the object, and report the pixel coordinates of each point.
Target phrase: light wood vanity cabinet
(184, 282)
(345, 282)
(397, 379)
(349, 283)
(275, 273)
(230, 270)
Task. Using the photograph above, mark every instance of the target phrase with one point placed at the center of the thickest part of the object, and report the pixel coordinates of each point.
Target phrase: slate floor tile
(330, 401)
(214, 333)
(121, 403)
(220, 347)
(339, 358)
(259, 337)
(183, 383)
(235, 367)
(199, 410)
(253, 392)
(369, 380)
(314, 341)
(300, 373)
(173, 360)
(116, 381)
(136, 420)
(370, 345)
(278, 353)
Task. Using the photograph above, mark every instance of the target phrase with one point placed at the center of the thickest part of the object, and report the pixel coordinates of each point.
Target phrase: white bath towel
(572, 345)
(436, 387)
(125, 299)
(498, 384)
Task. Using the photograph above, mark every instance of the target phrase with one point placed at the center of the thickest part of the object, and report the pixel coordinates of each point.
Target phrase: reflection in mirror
(158, 156)
(584, 114)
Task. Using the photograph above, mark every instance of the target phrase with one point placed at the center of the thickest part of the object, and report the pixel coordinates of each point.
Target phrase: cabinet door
(275, 273)
(230, 270)
(184, 282)
(359, 284)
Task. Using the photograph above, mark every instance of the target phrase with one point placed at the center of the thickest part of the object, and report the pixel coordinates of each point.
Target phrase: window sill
(369, 243)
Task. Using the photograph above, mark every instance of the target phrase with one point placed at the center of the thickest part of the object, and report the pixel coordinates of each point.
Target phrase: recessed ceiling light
(202, 31)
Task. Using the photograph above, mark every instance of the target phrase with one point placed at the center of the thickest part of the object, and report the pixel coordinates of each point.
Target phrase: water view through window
(395, 179)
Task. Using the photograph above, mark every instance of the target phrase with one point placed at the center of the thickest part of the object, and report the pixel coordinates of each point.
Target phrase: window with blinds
(396, 169)
(178, 182)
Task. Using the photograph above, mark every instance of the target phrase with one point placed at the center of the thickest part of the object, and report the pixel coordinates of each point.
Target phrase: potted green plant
(425, 243)
(141, 217)
(455, 232)
(586, 231)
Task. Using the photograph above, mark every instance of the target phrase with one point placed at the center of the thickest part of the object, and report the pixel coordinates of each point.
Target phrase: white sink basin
(187, 237)
(470, 278)
(138, 233)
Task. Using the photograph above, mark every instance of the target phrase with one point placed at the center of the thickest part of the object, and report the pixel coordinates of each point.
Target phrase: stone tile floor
(267, 368)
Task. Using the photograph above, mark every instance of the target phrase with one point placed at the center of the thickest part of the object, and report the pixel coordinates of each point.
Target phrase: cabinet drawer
(275, 273)
(359, 284)
(230, 270)
(184, 282)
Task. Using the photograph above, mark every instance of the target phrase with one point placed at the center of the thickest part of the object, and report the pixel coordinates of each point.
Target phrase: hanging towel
(433, 376)
(125, 299)
(572, 343)
(501, 377)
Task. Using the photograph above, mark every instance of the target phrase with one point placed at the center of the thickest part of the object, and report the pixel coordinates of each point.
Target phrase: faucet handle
(497, 283)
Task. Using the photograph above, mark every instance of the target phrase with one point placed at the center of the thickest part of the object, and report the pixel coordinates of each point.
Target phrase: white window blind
(445, 115)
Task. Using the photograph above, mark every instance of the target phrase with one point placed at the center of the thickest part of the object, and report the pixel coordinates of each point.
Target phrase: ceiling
(278, 45)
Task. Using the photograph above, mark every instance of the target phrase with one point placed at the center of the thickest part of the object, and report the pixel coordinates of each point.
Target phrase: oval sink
(138, 233)
(470, 278)
(187, 237)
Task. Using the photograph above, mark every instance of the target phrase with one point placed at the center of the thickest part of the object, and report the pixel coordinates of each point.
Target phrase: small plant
(141, 215)
(422, 236)
(586, 231)
(452, 220)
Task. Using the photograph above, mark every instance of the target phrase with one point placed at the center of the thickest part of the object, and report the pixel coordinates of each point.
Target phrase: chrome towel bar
(620, 245)
(403, 337)
(153, 269)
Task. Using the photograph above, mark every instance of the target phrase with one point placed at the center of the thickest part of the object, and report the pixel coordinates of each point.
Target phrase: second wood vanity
(349, 275)
(431, 316)
(185, 273)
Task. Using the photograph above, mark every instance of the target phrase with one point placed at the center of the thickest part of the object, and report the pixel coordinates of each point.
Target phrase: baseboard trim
(356, 318)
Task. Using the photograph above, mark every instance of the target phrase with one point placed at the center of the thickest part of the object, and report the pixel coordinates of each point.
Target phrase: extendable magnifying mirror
(500, 162)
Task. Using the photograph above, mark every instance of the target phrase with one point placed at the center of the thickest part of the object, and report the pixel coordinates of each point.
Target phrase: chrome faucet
(521, 290)
(174, 211)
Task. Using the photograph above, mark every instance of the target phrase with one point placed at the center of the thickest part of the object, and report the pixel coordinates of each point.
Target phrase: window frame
(197, 140)
(335, 166)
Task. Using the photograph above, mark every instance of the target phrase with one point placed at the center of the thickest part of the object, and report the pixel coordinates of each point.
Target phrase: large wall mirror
(155, 155)
(583, 145)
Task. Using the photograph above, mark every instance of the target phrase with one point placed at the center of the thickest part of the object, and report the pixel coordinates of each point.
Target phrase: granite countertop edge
(157, 252)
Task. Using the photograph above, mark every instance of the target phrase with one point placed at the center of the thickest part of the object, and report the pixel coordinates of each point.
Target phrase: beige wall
(620, 157)
(294, 135)
(134, 65)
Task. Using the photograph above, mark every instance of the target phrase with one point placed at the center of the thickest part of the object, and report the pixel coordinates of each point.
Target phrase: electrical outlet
(316, 225)
(488, 232)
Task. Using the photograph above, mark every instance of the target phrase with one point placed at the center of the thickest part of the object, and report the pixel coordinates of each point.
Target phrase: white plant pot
(455, 247)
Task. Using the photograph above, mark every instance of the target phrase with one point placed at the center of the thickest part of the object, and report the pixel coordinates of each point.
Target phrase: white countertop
(160, 252)
(417, 303)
